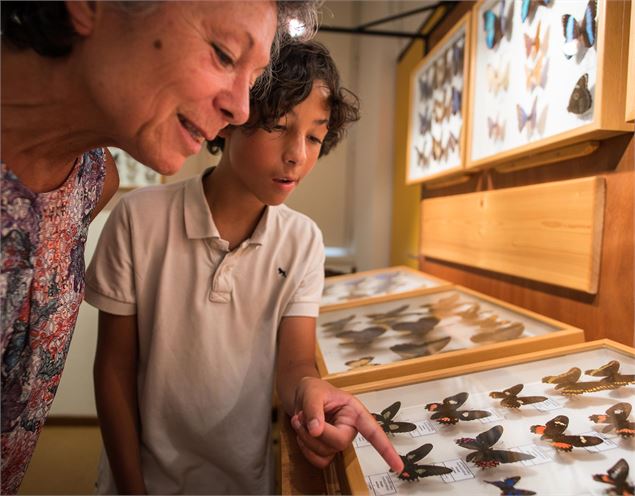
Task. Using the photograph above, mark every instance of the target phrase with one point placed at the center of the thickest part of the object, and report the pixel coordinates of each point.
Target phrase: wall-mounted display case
(438, 105)
(434, 330)
(372, 285)
(545, 75)
(472, 434)
(132, 173)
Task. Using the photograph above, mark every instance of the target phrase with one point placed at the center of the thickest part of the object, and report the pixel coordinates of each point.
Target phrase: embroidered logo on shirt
(281, 272)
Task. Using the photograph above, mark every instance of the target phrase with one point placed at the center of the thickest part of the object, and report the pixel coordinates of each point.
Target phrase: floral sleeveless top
(41, 288)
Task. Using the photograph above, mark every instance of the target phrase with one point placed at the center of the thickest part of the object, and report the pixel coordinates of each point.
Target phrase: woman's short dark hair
(294, 71)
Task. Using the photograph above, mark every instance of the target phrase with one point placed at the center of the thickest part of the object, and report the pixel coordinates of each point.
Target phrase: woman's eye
(224, 59)
(315, 139)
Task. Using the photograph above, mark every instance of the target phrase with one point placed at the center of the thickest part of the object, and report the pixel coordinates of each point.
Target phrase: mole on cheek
(157, 44)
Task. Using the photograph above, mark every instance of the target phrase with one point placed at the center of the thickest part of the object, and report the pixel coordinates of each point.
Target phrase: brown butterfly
(444, 307)
(581, 99)
(338, 325)
(418, 327)
(438, 152)
(423, 159)
(442, 110)
(568, 378)
(452, 144)
(471, 313)
(414, 350)
(496, 129)
(363, 337)
(610, 374)
(361, 362)
(510, 399)
(506, 332)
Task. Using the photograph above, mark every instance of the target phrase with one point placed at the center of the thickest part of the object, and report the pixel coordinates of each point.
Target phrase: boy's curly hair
(294, 71)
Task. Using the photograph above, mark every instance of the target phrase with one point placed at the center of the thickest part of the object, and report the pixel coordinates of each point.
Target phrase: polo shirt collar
(199, 223)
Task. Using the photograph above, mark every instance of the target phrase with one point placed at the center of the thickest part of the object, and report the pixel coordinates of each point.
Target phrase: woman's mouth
(194, 131)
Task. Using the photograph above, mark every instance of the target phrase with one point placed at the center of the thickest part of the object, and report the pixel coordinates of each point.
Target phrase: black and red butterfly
(553, 431)
(617, 419)
(510, 398)
(486, 457)
(616, 476)
(448, 413)
(412, 471)
(507, 487)
(386, 422)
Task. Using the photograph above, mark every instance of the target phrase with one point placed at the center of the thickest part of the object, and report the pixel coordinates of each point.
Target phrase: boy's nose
(295, 152)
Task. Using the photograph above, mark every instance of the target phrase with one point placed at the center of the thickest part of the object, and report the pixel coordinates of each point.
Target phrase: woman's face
(167, 79)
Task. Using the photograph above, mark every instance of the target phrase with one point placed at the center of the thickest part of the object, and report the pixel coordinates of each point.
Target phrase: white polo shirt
(207, 321)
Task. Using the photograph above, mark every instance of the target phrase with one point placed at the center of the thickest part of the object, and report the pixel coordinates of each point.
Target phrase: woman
(155, 79)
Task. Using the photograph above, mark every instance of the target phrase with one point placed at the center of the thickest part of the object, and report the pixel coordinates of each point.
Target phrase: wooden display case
(538, 94)
(630, 83)
(392, 337)
(372, 285)
(438, 106)
(550, 471)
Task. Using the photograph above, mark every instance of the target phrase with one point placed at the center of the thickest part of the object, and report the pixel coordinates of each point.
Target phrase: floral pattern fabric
(41, 288)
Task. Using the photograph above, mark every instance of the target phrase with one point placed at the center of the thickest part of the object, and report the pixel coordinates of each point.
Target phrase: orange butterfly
(497, 80)
(442, 110)
(496, 129)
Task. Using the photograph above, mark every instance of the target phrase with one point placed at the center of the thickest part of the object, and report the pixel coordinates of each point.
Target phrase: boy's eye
(222, 55)
(278, 127)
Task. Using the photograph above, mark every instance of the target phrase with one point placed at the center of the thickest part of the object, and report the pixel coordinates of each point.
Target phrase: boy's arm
(326, 420)
(115, 374)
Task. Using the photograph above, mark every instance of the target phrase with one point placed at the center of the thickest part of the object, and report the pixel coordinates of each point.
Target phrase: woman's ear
(82, 15)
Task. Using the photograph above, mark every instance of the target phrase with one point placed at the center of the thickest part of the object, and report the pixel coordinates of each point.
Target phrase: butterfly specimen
(425, 88)
(537, 75)
(424, 123)
(471, 313)
(494, 25)
(497, 79)
(527, 119)
(532, 44)
(617, 419)
(510, 399)
(338, 325)
(439, 153)
(486, 457)
(579, 31)
(452, 144)
(441, 72)
(611, 375)
(444, 307)
(363, 337)
(442, 110)
(360, 362)
(496, 129)
(458, 50)
(448, 413)
(386, 422)
(616, 476)
(507, 487)
(568, 378)
(414, 350)
(413, 471)
(391, 316)
(418, 327)
(528, 8)
(505, 332)
(456, 100)
(581, 99)
(423, 159)
(553, 431)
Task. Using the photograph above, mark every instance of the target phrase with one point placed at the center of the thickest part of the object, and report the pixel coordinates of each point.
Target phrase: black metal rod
(372, 32)
(397, 16)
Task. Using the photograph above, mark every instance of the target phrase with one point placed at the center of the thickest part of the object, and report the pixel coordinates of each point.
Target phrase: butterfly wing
(581, 99)
(506, 456)
(359, 362)
(564, 442)
(490, 437)
(588, 23)
(456, 100)
(419, 453)
(569, 377)
(605, 370)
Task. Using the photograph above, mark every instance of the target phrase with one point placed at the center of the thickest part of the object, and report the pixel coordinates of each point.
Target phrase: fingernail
(295, 423)
(314, 424)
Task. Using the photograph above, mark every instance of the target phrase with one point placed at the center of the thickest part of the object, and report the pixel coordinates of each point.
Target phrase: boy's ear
(82, 15)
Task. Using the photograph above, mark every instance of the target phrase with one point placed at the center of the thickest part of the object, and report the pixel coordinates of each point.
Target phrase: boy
(203, 301)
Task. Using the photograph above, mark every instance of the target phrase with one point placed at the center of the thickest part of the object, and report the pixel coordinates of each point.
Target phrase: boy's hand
(327, 420)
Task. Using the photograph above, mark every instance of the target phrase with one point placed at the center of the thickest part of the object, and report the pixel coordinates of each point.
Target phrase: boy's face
(270, 164)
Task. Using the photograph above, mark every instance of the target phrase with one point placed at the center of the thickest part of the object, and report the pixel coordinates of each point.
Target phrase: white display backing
(336, 353)
(550, 472)
(562, 76)
(378, 284)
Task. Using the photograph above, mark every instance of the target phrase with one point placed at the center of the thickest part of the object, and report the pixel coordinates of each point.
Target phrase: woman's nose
(234, 103)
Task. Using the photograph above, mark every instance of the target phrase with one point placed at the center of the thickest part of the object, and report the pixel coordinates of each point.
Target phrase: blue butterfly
(507, 486)
(494, 25)
(528, 7)
(456, 100)
(584, 30)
